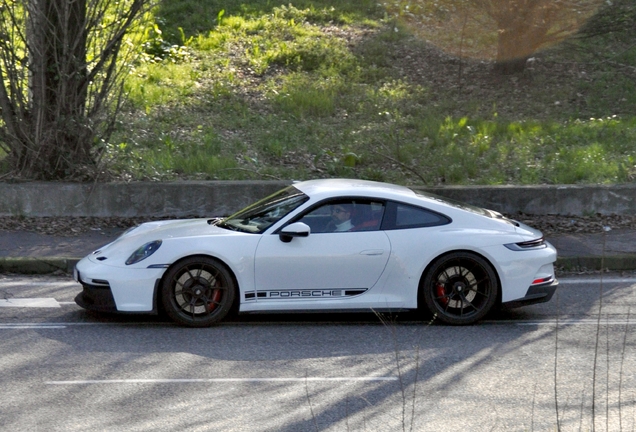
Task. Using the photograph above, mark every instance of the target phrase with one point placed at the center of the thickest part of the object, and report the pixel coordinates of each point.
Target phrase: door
(327, 264)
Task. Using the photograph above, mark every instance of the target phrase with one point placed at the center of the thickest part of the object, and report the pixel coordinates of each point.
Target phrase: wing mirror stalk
(297, 229)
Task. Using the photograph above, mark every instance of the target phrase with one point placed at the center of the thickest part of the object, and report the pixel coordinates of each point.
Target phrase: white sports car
(324, 245)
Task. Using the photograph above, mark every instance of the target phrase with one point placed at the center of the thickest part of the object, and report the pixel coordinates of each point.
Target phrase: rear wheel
(460, 288)
(198, 292)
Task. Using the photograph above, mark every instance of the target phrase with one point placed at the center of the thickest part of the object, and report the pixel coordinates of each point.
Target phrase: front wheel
(459, 288)
(198, 292)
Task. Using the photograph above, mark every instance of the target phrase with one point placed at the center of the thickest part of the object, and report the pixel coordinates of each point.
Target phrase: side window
(345, 215)
(403, 216)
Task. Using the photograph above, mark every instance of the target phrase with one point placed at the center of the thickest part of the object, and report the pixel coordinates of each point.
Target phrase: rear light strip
(542, 281)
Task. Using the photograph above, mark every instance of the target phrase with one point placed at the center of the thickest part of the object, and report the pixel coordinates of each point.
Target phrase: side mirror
(297, 229)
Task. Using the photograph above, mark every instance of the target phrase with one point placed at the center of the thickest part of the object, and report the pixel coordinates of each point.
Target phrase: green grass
(265, 89)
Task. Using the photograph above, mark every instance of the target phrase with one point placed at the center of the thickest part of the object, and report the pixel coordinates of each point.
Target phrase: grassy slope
(340, 88)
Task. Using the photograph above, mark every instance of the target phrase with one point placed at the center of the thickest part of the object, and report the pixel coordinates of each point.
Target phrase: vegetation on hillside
(325, 88)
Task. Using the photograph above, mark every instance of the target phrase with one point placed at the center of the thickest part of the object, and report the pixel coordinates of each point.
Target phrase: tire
(459, 288)
(198, 292)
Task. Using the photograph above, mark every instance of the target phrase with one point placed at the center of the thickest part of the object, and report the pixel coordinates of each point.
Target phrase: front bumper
(535, 294)
(95, 297)
(117, 289)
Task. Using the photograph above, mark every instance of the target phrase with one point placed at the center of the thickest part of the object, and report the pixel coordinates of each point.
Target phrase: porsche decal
(303, 294)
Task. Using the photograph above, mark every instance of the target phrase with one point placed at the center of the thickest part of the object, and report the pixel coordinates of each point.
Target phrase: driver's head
(341, 212)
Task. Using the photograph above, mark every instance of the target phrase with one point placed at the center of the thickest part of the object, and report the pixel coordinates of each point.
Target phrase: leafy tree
(61, 64)
(616, 16)
(508, 31)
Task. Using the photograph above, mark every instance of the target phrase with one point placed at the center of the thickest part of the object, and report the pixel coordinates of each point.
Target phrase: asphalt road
(566, 365)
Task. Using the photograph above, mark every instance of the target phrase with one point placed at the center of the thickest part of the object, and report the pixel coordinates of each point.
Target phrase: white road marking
(63, 325)
(34, 282)
(33, 303)
(222, 380)
(595, 280)
(544, 322)
(29, 303)
(565, 322)
(21, 326)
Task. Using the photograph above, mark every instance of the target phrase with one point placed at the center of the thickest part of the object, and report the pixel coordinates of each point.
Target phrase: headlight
(143, 252)
(527, 245)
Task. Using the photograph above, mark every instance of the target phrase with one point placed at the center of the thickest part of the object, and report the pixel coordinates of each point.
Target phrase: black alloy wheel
(460, 288)
(198, 292)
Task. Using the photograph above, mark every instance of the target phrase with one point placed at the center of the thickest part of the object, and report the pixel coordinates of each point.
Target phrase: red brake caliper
(216, 297)
(441, 294)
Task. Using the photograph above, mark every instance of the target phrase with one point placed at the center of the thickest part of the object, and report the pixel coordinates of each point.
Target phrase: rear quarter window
(404, 216)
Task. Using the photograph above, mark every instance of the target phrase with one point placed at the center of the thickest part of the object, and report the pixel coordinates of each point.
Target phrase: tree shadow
(262, 346)
(428, 364)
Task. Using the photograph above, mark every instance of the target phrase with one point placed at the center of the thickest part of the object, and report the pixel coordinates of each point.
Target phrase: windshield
(259, 216)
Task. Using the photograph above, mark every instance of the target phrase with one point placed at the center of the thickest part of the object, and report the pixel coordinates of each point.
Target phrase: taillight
(541, 281)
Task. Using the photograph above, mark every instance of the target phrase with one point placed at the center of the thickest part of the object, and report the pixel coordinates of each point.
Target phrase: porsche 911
(333, 245)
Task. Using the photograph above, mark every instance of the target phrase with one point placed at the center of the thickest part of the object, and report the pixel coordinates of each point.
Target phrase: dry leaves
(68, 226)
(560, 224)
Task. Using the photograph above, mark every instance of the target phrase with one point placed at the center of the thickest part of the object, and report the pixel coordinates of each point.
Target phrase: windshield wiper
(233, 227)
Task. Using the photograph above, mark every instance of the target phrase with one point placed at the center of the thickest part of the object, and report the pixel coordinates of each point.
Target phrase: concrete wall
(131, 199)
(564, 199)
(217, 198)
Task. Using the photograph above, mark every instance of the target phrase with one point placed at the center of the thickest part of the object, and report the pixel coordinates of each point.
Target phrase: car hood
(161, 230)
(175, 228)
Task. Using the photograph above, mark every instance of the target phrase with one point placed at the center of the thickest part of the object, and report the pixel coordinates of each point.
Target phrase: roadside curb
(31, 265)
(620, 262)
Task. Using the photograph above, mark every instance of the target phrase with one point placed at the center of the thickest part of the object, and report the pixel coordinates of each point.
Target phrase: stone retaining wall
(218, 198)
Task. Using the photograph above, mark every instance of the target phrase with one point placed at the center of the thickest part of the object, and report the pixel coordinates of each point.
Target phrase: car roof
(325, 188)
(329, 188)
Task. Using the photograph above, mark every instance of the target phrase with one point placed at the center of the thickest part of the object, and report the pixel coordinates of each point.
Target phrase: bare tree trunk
(524, 26)
(57, 101)
(513, 23)
(57, 43)
(511, 55)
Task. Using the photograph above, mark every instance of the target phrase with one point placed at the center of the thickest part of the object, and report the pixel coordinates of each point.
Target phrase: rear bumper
(535, 294)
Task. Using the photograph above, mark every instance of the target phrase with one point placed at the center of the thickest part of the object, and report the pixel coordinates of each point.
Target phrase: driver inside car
(340, 218)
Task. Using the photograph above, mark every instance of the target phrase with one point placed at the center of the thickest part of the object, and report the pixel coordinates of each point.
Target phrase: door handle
(372, 252)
